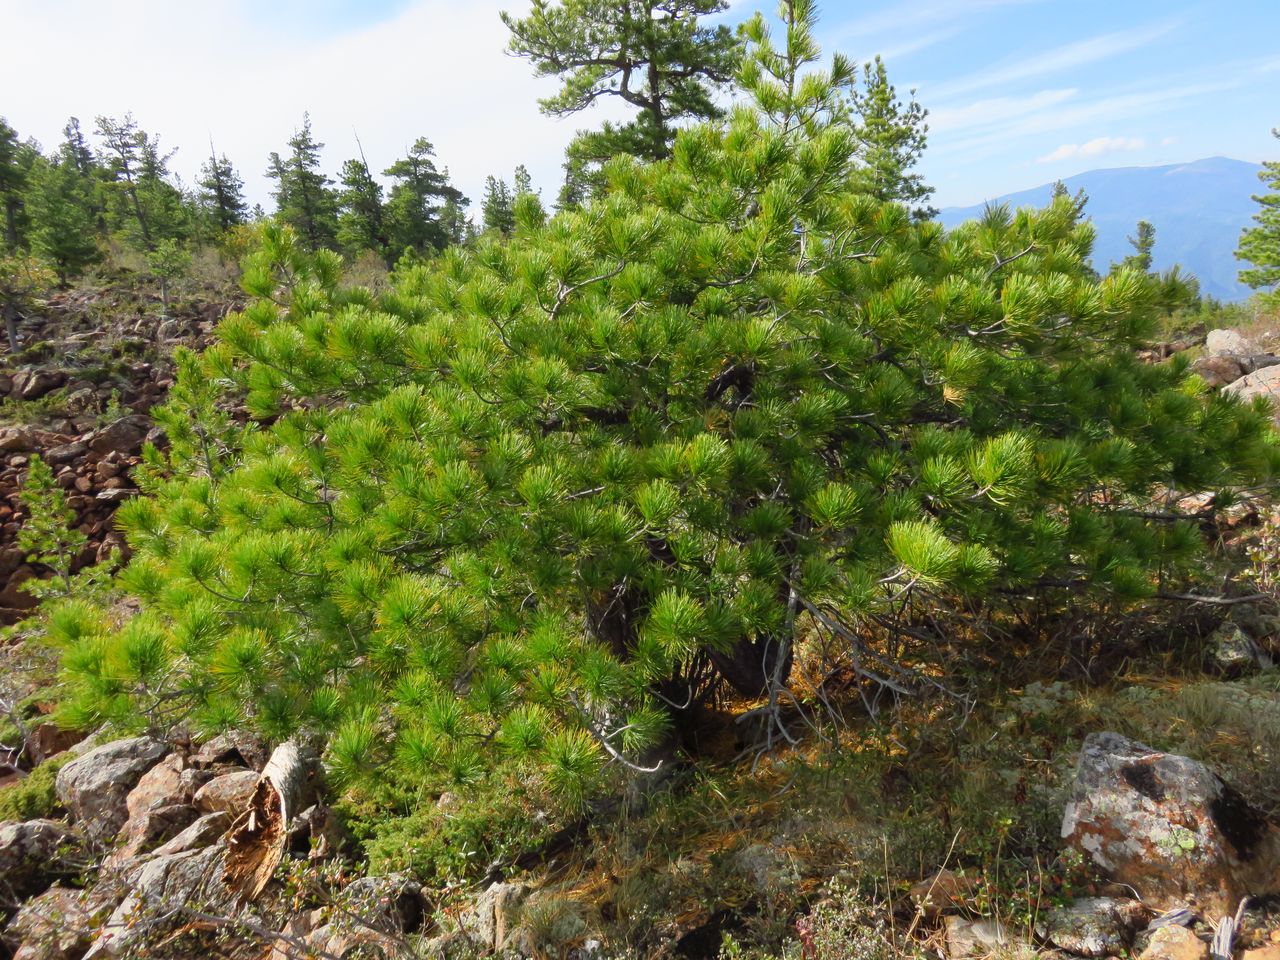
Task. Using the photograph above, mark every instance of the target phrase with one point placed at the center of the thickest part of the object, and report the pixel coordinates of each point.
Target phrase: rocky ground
(91, 366)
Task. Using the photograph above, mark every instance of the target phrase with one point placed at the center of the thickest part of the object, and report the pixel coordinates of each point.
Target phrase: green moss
(33, 797)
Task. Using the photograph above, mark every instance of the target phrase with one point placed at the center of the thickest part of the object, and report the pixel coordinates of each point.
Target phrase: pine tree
(1143, 243)
(424, 211)
(303, 194)
(147, 206)
(222, 193)
(12, 180)
(361, 223)
(523, 182)
(892, 138)
(496, 208)
(558, 488)
(1260, 245)
(62, 217)
(656, 57)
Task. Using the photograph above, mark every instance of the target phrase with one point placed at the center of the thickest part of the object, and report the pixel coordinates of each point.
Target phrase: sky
(1020, 92)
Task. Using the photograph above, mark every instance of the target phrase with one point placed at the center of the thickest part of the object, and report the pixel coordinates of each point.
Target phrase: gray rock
(1093, 926)
(155, 887)
(974, 938)
(229, 792)
(495, 914)
(124, 436)
(33, 855)
(95, 787)
(1174, 942)
(1169, 827)
(1233, 652)
(57, 925)
(1261, 383)
(65, 453)
(200, 834)
(1229, 343)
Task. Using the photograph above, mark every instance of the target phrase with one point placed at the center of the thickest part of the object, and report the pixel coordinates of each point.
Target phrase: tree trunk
(257, 839)
(11, 326)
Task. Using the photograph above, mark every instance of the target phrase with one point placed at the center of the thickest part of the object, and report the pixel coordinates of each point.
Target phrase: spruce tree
(361, 222)
(12, 180)
(304, 196)
(1143, 243)
(222, 193)
(424, 211)
(656, 57)
(513, 518)
(892, 138)
(496, 207)
(62, 217)
(1260, 245)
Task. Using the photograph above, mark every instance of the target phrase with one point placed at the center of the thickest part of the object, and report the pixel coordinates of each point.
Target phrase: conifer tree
(523, 182)
(1260, 245)
(496, 207)
(62, 217)
(654, 56)
(303, 194)
(517, 515)
(361, 224)
(1143, 243)
(424, 211)
(123, 146)
(12, 180)
(892, 138)
(222, 193)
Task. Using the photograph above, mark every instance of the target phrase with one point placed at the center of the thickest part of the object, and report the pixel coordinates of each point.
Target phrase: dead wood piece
(258, 837)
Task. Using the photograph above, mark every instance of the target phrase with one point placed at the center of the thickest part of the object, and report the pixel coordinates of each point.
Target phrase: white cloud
(1094, 148)
(1067, 57)
(997, 110)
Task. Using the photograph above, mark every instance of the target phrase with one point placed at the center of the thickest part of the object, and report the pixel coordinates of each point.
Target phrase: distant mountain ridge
(1198, 210)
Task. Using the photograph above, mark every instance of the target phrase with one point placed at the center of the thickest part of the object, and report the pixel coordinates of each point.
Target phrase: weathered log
(258, 837)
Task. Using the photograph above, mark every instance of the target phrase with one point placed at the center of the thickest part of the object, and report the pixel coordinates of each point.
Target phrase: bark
(257, 839)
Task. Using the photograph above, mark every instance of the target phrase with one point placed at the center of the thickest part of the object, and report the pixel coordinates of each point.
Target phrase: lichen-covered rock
(1234, 653)
(493, 918)
(95, 787)
(235, 748)
(1169, 827)
(33, 855)
(974, 938)
(1093, 926)
(1260, 383)
(1174, 942)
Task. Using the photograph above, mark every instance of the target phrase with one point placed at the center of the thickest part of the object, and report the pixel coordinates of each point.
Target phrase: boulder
(33, 855)
(1093, 926)
(57, 925)
(1270, 952)
(494, 916)
(975, 938)
(1175, 943)
(235, 748)
(229, 793)
(34, 384)
(95, 787)
(161, 786)
(1229, 343)
(64, 453)
(124, 436)
(1260, 383)
(156, 887)
(200, 834)
(14, 439)
(944, 892)
(1234, 653)
(154, 825)
(1218, 371)
(46, 740)
(1169, 827)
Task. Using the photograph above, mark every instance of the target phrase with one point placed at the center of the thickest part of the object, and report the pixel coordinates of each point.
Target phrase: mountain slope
(1198, 210)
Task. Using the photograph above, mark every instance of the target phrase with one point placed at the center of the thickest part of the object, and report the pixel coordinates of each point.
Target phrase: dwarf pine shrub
(515, 508)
